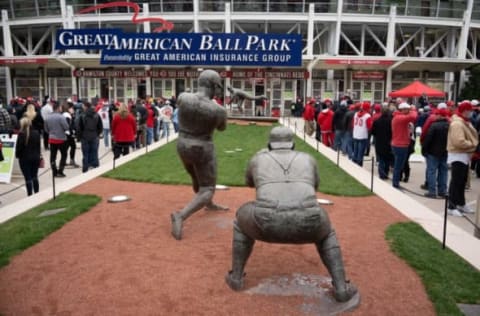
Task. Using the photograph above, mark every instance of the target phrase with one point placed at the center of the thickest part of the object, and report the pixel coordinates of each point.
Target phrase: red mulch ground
(119, 259)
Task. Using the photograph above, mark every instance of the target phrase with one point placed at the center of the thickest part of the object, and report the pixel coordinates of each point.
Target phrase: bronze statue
(240, 96)
(198, 117)
(285, 211)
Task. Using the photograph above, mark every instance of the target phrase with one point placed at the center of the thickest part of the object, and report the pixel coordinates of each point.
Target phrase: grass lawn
(448, 278)
(27, 229)
(234, 148)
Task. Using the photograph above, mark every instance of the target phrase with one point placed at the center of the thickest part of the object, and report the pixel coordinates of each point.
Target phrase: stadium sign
(122, 48)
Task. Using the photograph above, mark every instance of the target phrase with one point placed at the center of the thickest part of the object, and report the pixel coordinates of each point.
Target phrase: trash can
(276, 111)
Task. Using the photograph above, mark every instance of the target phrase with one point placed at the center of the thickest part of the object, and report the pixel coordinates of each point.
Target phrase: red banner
(12, 61)
(358, 62)
(172, 73)
(371, 75)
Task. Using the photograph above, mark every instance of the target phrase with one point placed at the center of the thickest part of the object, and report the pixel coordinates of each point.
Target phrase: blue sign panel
(185, 48)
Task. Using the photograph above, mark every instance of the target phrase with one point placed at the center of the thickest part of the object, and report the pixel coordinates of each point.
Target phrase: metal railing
(439, 9)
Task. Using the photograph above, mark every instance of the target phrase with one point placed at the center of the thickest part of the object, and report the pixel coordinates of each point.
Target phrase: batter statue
(240, 96)
(198, 117)
(285, 211)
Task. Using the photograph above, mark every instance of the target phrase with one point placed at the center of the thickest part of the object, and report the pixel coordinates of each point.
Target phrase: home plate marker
(324, 202)
(119, 198)
(221, 187)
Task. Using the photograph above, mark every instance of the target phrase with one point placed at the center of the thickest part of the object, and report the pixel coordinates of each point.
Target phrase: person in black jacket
(382, 131)
(28, 153)
(88, 131)
(338, 123)
(434, 148)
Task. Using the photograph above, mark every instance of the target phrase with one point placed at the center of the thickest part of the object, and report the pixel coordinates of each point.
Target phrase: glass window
(27, 87)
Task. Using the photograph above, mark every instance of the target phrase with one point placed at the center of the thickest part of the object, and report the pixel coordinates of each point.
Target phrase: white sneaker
(465, 209)
(454, 212)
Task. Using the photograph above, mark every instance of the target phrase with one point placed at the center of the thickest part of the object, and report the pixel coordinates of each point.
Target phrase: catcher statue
(285, 211)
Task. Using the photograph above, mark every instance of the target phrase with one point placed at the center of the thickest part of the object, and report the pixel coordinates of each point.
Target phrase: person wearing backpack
(89, 129)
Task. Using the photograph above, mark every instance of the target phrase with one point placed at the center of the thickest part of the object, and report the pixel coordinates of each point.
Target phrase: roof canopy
(417, 89)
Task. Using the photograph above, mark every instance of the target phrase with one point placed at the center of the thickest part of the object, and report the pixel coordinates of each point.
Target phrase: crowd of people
(448, 133)
(60, 126)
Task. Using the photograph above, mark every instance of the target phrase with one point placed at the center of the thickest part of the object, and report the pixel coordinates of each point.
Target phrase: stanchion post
(145, 141)
(445, 222)
(372, 172)
(338, 157)
(295, 127)
(317, 143)
(476, 232)
(52, 164)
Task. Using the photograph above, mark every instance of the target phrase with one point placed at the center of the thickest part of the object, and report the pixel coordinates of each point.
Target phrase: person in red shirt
(150, 122)
(325, 120)
(124, 131)
(401, 138)
(309, 117)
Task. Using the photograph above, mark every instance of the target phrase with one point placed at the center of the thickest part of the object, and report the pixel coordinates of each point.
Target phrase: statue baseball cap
(281, 137)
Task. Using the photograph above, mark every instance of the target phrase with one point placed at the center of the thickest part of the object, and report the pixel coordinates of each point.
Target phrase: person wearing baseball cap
(402, 120)
(461, 144)
(362, 124)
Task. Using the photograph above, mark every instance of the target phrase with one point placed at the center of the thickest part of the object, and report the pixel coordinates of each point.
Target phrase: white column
(462, 41)
(196, 23)
(147, 29)
(390, 51)
(8, 48)
(337, 29)
(310, 31)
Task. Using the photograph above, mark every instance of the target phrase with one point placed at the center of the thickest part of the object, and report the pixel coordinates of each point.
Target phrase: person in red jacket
(124, 131)
(309, 117)
(325, 120)
(150, 122)
(401, 138)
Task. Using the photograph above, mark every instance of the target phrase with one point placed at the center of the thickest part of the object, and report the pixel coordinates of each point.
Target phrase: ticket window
(125, 90)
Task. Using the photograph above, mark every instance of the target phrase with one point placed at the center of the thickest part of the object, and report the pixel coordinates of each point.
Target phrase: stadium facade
(363, 48)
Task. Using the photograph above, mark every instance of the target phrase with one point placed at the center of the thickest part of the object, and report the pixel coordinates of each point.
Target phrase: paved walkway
(427, 212)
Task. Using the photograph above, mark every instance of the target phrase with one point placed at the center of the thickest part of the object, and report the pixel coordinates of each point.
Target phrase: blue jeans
(348, 143)
(400, 154)
(149, 135)
(166, 129)
(384, 163)
(106, 137)
(338, 143)
(437, 174)
(359, 146)
(90, 154)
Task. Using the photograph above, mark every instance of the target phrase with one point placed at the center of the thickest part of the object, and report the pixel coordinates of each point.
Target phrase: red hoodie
(400, 129)
(325, 119)
(309, 112)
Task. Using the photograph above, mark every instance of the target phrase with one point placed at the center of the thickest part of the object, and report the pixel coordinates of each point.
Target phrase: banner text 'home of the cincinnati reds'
(185, 48)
